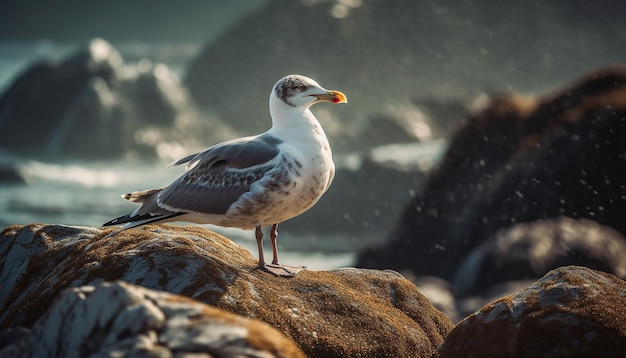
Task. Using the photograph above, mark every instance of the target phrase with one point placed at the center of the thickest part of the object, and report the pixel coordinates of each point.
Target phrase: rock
(466, 305)
(344, 312)
(530, 250)
(382, 56)
(519, 159)
(118, 319)
(11, 340)
(420, 120)
(10, 174)
(194, 23)
(11, 171)
(439, 292)
(106, 109)
(570, 312)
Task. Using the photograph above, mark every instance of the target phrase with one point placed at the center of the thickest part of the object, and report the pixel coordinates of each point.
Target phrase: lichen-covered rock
(118, 319)
(345, 312)
(571, 312)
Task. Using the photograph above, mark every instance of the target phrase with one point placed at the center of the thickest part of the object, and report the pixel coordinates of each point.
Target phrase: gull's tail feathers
(141, 196)
(135, 219)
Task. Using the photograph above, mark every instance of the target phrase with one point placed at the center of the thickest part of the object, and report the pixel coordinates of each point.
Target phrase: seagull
(251, 182)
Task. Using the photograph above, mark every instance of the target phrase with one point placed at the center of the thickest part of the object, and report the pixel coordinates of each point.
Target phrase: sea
(88, 193)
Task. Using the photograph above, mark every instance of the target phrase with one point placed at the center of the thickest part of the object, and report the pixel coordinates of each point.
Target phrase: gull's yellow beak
(332, 96)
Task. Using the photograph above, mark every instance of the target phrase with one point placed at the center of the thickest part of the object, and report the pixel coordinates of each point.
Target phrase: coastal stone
(119, 319)
(518, 160)
(107, 109)
(439, 292)
(530, 250)
(382, 56)
(466, 304)
(11, 172)
(570, 312)
(343, 312)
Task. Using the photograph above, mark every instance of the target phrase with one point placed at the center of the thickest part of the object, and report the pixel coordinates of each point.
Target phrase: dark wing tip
(122, 219)
(147, 218)
(110, 223)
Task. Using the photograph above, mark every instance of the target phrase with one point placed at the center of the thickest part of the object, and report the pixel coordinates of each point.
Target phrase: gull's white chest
(303, 177)
(303, 173)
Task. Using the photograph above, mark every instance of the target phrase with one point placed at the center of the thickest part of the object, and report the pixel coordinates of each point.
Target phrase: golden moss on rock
(571, 312)
(344, 312)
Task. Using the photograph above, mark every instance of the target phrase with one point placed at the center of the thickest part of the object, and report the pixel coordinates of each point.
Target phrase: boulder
(118, 319)
(127, 24)
(530, 250)
(343, 312)
(382, 56)
(106, 109)
(518, 160)
(570, 312)
(11, 170)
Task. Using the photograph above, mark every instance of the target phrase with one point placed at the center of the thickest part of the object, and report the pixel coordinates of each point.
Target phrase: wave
(102, 174)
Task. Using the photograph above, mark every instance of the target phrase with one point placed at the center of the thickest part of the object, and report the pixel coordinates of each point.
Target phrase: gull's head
(300, 91)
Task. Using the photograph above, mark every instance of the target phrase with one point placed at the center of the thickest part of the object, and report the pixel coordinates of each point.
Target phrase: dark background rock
(383, 55)
(76, 20)
(530, 250)
(11, 171)
(518, 160)
(93, 105)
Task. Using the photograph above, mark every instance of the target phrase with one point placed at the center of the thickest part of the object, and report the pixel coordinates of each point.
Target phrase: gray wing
(260, 149)
(220, 176)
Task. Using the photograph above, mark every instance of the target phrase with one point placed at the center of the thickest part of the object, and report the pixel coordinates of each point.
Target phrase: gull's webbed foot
(282, 270)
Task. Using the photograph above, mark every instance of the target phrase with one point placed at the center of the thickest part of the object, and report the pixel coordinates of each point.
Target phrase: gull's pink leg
(275, 268)
(287, 271)
(273, 237)
(259, 243)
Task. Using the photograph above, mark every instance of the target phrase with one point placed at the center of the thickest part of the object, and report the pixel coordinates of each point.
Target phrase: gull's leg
(275, 270)
(288, 270)
(259, 243)
(273, 237)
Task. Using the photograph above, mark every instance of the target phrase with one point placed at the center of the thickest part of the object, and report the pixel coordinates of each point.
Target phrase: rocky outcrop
(382, 56)
(519, 160)
(11, 171)
(345, 312)
(93, 105)
(118, 319)
(530, 250)
(570, 312)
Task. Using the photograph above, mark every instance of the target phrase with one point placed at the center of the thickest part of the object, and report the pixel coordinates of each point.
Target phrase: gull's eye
(300, 87)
